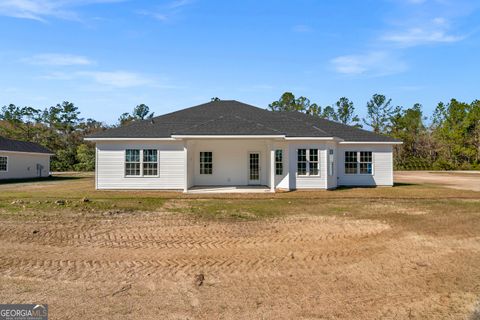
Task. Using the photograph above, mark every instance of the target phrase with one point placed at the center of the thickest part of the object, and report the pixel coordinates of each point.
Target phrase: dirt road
(465, 180)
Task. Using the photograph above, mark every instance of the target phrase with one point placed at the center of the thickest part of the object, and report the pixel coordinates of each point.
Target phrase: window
(145, 165)
(307, 162)
(358, 162)
(365, 162)
(206, 163)
(3, 164)
(313, 162)
(351, 162)
(279, 162)
(302, 162)
(150, 162)
(331, 162)
(132, 162)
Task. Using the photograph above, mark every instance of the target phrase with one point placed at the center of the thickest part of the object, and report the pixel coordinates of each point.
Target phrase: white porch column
(185, 154)
(272, 167)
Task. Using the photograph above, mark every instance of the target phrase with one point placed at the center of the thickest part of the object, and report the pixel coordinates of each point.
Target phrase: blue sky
(107, 56)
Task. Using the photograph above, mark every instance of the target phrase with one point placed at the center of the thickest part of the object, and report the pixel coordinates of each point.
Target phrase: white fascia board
(314, 138)
(371, 142)
(129, 139)
(34, 153)
(228, 136)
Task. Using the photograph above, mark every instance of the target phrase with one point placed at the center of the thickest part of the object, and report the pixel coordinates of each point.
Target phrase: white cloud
(57, 59)
(154, 14)
(118, 79)
(41, 10)
(166, 12)
(179, 3)
(375, 63)
(107, 79)
(434, 31)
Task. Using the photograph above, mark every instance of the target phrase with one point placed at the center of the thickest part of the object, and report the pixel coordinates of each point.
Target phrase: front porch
(228, 189)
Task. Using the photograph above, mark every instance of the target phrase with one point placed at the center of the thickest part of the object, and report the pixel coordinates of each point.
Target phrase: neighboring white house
(21, 160)
(229, 143)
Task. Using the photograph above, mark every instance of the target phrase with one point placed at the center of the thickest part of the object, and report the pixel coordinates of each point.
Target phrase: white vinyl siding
(230, 162)
(308, 181)
(22, 165)
(381, 165)
(111, 166)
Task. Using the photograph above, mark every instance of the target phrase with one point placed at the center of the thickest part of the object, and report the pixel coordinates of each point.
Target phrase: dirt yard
(408, 252)
(466, 180)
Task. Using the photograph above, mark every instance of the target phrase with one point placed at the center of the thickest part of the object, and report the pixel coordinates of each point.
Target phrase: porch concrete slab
(229, 189)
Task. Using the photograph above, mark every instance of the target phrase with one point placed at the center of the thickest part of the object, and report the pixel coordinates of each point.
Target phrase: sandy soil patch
(174, 267)
(463, 180)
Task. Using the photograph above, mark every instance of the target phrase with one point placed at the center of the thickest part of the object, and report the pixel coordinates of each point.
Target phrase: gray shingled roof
(230, 117)
(22, 146)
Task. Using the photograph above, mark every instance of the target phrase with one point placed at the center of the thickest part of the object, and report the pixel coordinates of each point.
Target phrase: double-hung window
(206, 162)
(150, 162)
(308, 162)
(132, 162)
(365, 162)
(141, 162)
(302, 162)
(358, 162)
(313, 162)
(279, 162)
(351, 163)
(3, 164)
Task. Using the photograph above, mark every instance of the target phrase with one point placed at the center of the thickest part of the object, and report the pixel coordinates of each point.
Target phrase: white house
(229, 143)
(22, 160)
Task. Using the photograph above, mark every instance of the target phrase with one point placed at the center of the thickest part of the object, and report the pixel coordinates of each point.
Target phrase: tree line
(447, 139)
(61, 129)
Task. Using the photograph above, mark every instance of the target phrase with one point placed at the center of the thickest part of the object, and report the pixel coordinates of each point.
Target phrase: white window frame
(6, 164)
(345, 162)
(308, 163)
(279, 162)
(359, 157)
(200, 163)
(141, 175)
(152, 162)
(358, 162)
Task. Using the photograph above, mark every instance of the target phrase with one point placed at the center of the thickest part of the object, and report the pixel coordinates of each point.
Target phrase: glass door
(254, 168)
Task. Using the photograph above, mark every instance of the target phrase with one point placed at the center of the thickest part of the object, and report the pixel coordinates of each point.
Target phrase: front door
(254, 168)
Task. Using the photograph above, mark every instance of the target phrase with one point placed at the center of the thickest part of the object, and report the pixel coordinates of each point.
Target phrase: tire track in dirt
(173, 240)
(62, 251)
(93, 270)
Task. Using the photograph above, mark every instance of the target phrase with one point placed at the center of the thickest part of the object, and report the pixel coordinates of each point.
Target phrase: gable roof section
(230, 117)
(22, 146)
